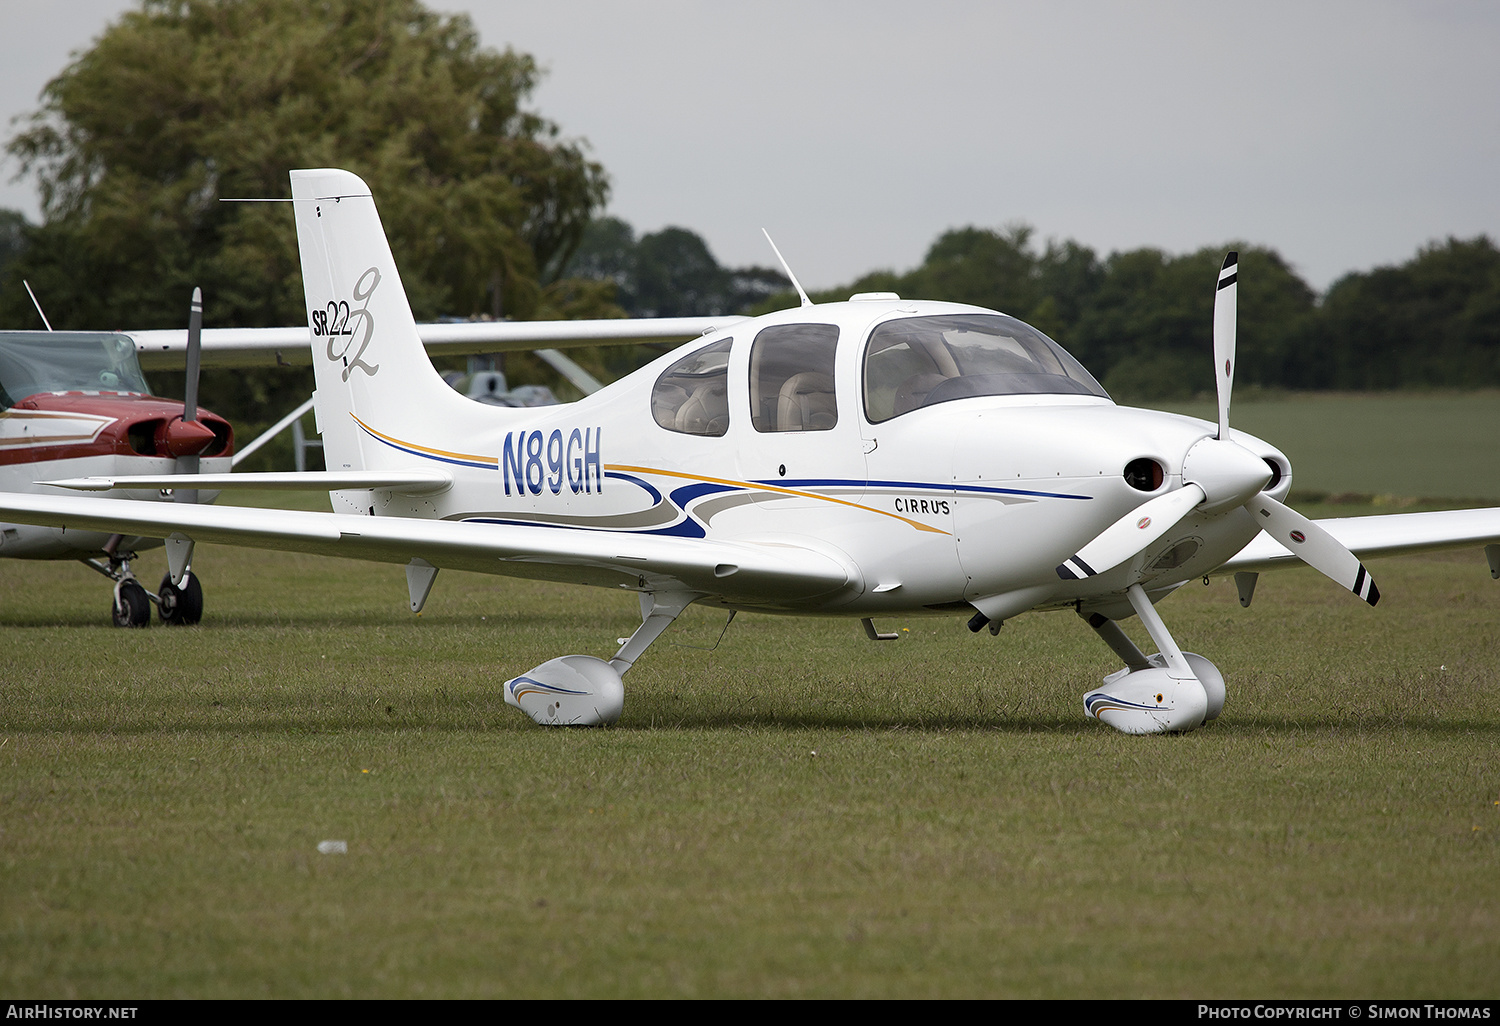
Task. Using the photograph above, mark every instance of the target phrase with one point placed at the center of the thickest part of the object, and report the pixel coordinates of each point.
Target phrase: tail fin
(368, 360)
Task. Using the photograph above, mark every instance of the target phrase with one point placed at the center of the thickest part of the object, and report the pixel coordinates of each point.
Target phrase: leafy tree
(606, 252)
(670, 273)
(994, 269)
(676, 276)
(1433, 321)
(12, 238)
(1149, 328)
(184, 102)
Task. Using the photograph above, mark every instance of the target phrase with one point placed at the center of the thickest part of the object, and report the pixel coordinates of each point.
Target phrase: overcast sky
(1343, 134)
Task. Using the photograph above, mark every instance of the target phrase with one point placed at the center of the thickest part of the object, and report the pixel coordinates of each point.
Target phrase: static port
(1144, 474)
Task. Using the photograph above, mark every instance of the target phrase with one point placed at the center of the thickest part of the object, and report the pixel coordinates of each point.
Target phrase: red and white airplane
(76, 403)
(875, 457)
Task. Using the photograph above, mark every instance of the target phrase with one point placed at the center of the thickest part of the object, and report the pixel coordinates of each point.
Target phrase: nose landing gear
(1171, 691)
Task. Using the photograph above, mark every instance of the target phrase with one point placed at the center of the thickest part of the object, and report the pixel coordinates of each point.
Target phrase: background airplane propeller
(186, 439)
(1219, 474)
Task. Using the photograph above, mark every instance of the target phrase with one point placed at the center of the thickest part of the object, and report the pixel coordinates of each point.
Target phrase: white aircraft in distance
(868, 458)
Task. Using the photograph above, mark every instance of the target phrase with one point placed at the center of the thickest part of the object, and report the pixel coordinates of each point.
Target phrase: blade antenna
(36, 304)
(785, 267)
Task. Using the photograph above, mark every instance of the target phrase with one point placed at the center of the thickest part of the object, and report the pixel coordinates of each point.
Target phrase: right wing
(1392, 534)
(166, 348)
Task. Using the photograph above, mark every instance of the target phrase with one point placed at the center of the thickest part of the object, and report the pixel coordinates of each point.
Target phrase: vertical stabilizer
(371, 370)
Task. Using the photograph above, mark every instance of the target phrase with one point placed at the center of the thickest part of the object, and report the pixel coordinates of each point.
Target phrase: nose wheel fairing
(1169, 692)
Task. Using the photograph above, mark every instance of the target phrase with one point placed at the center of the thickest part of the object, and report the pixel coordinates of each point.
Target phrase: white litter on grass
(333, 847)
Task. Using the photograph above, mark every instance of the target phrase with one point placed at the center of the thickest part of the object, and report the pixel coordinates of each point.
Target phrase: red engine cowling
(68, 425)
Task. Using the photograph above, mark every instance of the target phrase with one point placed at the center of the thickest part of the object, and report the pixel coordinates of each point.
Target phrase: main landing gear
(179, 603)
(584, 691)
(1171, 691)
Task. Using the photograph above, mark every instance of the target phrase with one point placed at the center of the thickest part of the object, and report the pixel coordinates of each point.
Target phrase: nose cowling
(1229, 474)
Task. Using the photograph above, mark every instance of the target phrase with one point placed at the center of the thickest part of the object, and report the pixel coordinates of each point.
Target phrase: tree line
(1140, 320)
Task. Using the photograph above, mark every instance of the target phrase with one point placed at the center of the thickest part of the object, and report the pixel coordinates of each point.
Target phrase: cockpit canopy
(909, 363)
(921, 361)
(67, 361)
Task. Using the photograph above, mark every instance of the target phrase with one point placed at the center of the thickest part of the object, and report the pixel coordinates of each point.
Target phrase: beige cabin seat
(806, 403)
(913, 392)
(706, 411)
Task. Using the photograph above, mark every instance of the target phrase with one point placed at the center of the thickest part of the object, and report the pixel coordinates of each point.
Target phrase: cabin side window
(791, 378)
(692, 395)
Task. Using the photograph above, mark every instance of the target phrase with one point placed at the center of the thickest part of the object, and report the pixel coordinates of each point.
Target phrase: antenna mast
(795, 283)
(49, 323)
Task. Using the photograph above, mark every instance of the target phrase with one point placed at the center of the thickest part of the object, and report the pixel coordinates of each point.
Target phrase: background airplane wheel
(182, 605)
(132, 608)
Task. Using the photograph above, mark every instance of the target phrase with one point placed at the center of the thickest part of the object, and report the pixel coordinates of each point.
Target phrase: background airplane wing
(1394, 534)
(165, 349)
(776, 573)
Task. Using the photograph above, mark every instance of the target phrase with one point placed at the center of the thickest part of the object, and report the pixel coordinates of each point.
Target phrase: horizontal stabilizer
(268, 347)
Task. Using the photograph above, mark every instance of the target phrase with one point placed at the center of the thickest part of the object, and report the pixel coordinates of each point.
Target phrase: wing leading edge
(755, 574)
(1394, 534)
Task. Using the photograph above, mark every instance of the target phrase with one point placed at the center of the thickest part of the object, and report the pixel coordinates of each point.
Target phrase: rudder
(368, 359)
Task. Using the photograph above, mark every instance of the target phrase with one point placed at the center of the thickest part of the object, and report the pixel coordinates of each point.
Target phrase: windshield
(922, 361)
(60, 361)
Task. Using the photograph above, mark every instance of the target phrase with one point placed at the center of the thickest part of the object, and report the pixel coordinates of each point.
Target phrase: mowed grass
(796, 813)
(1393, 444)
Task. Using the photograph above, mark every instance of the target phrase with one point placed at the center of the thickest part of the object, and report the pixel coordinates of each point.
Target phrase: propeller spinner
(1219, 474)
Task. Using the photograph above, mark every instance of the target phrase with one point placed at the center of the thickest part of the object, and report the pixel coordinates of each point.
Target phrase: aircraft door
(801, 437)
(909, 466)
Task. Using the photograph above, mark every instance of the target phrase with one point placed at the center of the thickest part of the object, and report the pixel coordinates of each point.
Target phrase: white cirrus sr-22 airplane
(864, 459)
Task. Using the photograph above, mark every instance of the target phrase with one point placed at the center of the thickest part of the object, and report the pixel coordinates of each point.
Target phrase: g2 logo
(338, 320)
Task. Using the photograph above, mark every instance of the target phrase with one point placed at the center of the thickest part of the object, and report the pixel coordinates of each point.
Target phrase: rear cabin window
(692, 395)
(791, 378)
(923, 361)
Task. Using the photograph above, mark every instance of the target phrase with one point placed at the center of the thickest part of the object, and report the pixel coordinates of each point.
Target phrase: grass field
(1405, 444)
(796, 813)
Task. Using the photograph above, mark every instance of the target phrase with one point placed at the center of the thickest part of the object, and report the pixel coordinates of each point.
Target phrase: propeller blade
(1226, 311)
(1131, 533)
(194, 356)
(189, 464)
(1314, 546)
